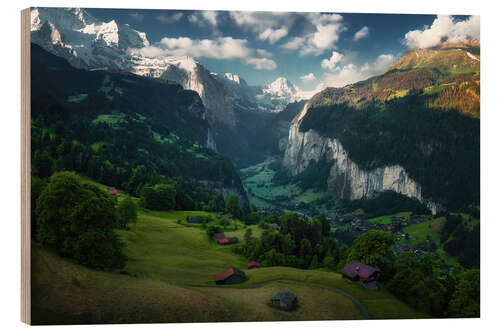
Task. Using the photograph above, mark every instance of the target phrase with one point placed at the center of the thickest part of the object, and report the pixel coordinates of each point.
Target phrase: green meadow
(169, 278)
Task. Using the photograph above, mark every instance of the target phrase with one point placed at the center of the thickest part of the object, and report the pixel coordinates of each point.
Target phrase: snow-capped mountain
(87, 42)
(282, 89)
(270, 98)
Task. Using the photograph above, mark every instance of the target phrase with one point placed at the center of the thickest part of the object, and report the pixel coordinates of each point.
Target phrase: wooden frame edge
(25, 167)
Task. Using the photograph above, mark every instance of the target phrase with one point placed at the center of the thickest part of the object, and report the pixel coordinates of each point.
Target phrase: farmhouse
(359, 272)
(284, 300)
(231, 276)
(253, 264)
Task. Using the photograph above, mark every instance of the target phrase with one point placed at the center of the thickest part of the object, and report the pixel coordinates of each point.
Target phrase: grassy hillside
(169, 278)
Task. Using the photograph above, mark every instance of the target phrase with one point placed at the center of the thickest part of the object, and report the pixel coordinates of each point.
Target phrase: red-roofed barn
(231, 276)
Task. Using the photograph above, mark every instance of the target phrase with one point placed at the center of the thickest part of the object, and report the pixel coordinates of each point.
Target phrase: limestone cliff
(346, 179)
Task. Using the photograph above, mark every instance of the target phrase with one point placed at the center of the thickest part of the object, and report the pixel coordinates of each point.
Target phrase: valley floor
(169, 278)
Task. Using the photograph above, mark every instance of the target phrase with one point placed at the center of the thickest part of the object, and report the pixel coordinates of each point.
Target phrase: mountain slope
(449, 76)
(413, 130)
(121, 129)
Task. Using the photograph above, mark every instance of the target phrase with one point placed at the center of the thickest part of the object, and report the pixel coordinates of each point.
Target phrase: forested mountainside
(122, 130)
(413, 130)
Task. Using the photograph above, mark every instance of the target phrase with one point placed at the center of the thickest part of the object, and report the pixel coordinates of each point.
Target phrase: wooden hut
(231, 276)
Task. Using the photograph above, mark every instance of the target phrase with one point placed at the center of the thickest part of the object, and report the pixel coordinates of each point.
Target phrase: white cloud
(219, 48)
(137, 16)
(308, 78)
(273, 35)
(261, 63)
(325, 34)
(294, 43)
(169, 18)
(444, 28)
(331, 63)
(270, 26)
(362, 33)
(340, 75)
(264, 53)
(204, 17)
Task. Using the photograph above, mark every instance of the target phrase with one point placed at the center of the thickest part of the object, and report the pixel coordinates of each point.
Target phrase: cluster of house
(222, 239)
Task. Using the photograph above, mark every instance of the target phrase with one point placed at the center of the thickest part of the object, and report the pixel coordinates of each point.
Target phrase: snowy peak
(282, 88)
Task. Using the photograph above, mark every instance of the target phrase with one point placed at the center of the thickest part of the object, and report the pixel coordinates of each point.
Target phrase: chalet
(112, 191)
(284, 300)
(231, 276)
(359, 272)
(253, 264)
(274, 226)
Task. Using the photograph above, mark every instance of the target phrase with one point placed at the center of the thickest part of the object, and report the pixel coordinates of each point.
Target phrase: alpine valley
(397, 153)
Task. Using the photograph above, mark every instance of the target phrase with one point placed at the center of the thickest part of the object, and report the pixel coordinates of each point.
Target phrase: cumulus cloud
(204, 17)
(137, 16)
(308, 78)
(220, 48)
(339, 75)
(269, 26)
(324, 35)
(169, 18)
(332, 62)
(273, 35)
(261, 63)
(362, 33)
(264, 53)
(444, 28)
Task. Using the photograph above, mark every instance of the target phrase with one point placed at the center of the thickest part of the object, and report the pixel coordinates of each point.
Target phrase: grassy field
(262, 193)
(169, 278)
(159, 248)
(386, 219)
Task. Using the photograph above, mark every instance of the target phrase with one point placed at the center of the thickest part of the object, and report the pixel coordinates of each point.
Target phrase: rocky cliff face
(346, 180)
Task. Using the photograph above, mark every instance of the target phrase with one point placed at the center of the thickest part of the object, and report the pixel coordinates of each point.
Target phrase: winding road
(358, 304)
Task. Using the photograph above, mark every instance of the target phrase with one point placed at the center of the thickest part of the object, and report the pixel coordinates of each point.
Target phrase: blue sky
(313, 50)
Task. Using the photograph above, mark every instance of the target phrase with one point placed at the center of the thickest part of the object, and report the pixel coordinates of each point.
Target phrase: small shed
(231, 276)
(253, 264)
(357, 271)
(112, 191)
(284, 300)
